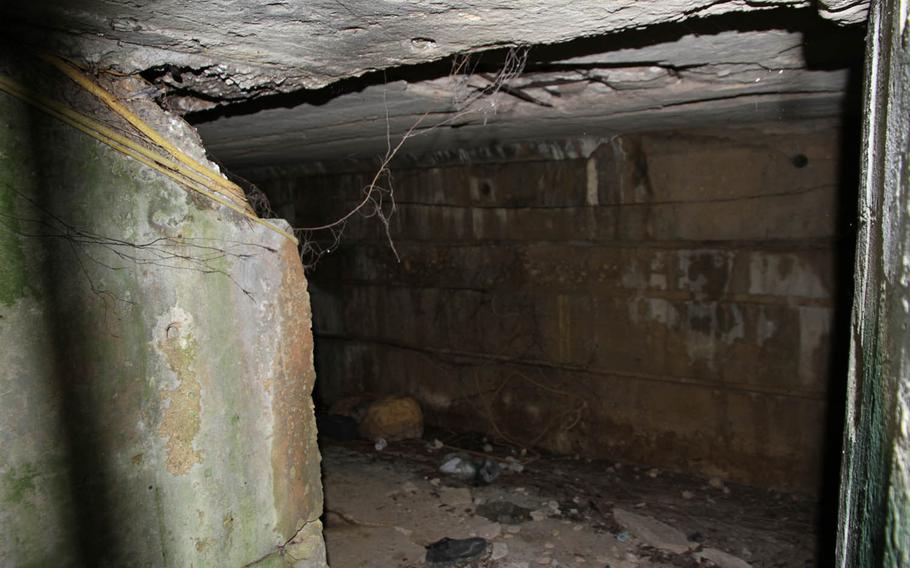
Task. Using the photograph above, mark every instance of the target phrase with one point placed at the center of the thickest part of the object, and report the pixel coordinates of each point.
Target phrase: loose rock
(500, 551)
(722, 559)
(653, 532)
(392, 418)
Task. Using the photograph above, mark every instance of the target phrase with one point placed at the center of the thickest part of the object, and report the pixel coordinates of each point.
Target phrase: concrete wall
(663, 298)
(874, 514)
(156, 366)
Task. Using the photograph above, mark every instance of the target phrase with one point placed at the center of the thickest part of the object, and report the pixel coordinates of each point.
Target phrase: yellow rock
(392, 418)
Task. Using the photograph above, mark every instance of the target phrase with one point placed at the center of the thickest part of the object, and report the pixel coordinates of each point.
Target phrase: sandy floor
(384, 507)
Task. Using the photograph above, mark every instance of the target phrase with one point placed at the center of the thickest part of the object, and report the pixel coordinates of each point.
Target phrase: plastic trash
(450, 552)
(480, 471)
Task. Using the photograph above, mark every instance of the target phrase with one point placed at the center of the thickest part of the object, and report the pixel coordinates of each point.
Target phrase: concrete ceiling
(694, 78)
(285, 81)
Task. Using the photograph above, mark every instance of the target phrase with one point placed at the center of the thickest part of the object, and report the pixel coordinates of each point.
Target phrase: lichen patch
(181, 421)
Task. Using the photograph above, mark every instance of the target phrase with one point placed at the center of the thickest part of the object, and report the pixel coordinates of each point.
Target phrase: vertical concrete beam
(155, 370)
(874, 523)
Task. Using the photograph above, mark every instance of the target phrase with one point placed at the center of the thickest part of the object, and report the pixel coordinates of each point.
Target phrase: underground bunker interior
(621, 263)
(582, 298)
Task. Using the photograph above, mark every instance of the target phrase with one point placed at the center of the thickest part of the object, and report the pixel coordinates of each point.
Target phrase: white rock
(500, 550)
(490, 531)
(538, 515)
(653, 532)
(722, 559)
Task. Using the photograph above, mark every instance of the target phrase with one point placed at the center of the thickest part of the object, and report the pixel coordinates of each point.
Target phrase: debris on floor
(379, 420)
(504, 512)
(476, 470)
(653, 532)
(392, 418)
(457, 553)
(392, 509)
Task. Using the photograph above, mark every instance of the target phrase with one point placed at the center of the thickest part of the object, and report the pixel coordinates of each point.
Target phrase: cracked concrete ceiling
(283, 81)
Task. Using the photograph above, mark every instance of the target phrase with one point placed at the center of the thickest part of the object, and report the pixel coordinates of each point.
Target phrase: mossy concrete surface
(156, 368)
(874, 515)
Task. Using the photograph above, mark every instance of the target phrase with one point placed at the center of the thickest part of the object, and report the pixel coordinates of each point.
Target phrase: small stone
(549, 545)
(688, 494)
(716, 482)
(538, 515)
(409, 487)
(404, 531)
(653, 473)
(487, 448)
(722, 559)
(631, 557)
(392, 419)
(435, 482)
(490, 531)
(500, 550)
(577, 528)
(726, 490)
(653, 532)
(543, 560)
(518, 565)
(580, 560)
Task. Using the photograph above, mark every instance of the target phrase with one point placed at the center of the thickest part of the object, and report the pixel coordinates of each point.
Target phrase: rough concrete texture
(667, 299)
(874, 515)
(383, 508)
(707, 72)
(240, 49)
(157, 366)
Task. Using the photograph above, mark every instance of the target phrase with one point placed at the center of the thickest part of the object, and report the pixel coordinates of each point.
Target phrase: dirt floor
(384, 507)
